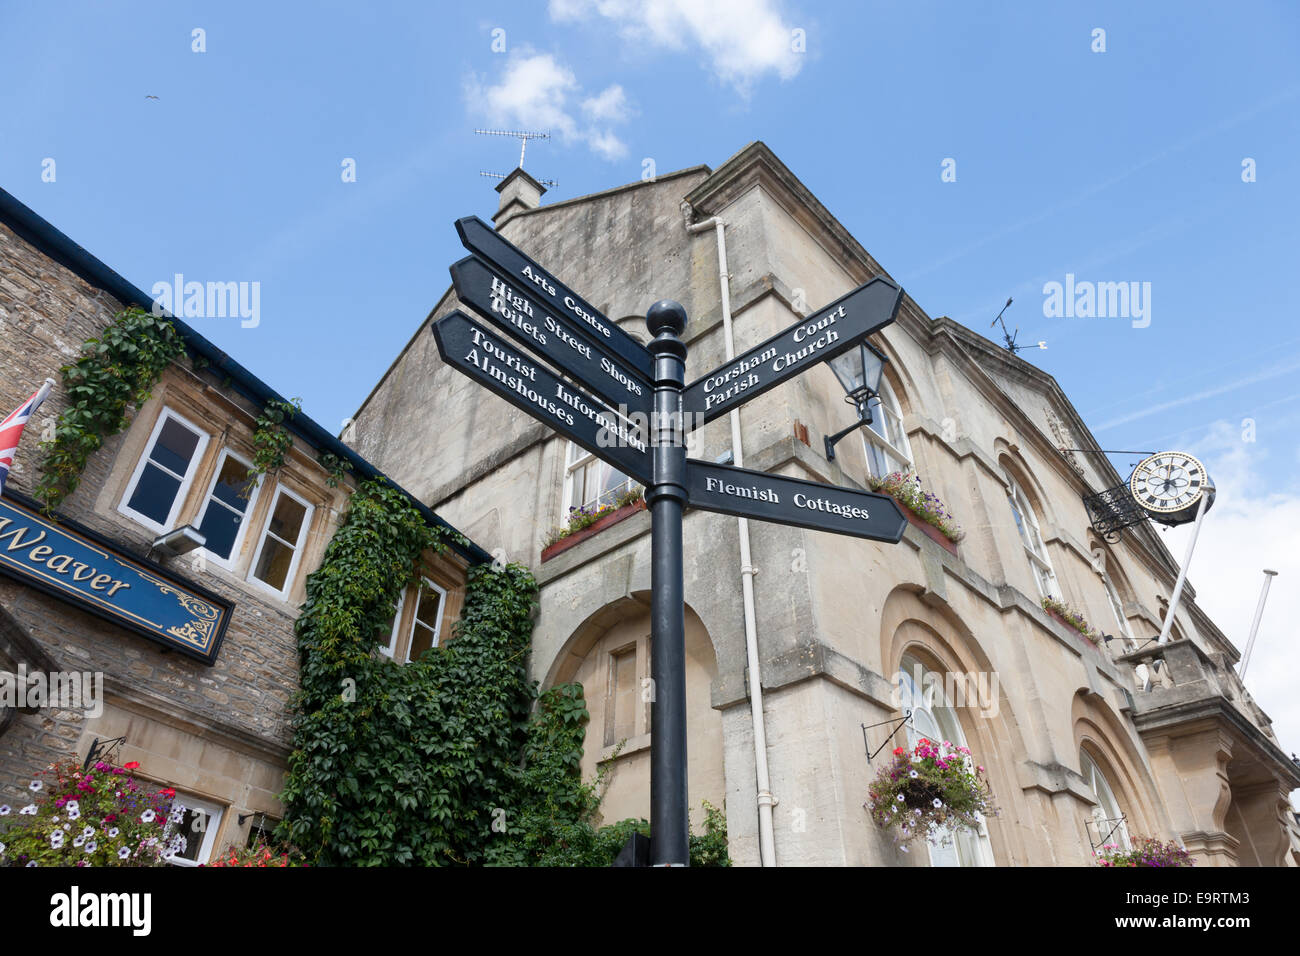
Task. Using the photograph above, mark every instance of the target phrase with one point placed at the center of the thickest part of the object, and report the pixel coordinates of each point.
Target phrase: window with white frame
(417, 625)
(157, 488)
(195, 823)
(282, 540)
(884, 440)
(1107, 817)
(1031, 537)
(934, 719)
(1117, 606)
(590, 483)
(228, 502)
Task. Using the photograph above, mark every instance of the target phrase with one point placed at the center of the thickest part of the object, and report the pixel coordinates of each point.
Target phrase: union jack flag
(11, 429)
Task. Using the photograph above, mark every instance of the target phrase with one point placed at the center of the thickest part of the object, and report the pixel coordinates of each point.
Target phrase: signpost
(564, 342)
(648, 384)
(824, 335)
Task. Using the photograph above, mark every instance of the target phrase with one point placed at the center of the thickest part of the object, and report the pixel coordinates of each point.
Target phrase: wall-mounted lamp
(181, 541)
(859, 371)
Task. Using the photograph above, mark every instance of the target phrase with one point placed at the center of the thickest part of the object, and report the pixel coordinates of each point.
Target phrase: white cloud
(743, 39)
(609, 106)
(534, 93)
(1249, 528)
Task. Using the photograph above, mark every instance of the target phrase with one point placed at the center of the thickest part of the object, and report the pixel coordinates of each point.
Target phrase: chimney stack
(519, 193)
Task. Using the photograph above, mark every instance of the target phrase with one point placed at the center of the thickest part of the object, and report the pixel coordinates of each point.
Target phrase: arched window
(933, 718)
(1107, 818)
(1031, 537)
(884, 440)
(590, 482)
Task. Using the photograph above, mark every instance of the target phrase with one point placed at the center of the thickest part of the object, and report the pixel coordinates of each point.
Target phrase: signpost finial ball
(666, 316)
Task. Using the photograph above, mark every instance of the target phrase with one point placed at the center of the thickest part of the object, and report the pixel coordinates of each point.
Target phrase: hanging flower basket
(928, 792)
(1146, 852)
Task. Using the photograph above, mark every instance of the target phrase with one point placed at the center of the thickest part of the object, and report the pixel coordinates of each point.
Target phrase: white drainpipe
(766, 843)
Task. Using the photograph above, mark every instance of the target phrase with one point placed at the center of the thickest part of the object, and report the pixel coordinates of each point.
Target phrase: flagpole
(1182, 572)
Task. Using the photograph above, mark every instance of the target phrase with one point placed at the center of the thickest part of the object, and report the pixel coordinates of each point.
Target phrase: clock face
(1168, 482)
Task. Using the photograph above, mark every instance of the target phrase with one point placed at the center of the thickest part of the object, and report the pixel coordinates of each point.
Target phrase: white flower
(937, 803)
(31, 863)
(913, 774)
(29, 810)
(77, 841)
(177, 815)
(147, 816)
(123, 853)
(56, 839)
(88, 832)
(35, 786)
(55, 819)
(5, 810)
(2, 849)
(73, 806)
(904, 849)
(900, 798)
(91, 846)
(917, 811)
(114, 832)
(74, 814)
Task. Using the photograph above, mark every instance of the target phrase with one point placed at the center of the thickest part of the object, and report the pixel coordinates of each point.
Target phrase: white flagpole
(1182, 572)
(1259, 614)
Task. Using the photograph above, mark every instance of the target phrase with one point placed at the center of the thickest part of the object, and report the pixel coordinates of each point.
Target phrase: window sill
(630, 746)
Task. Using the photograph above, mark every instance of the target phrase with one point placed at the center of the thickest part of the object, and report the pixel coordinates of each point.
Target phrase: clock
(1169, 486)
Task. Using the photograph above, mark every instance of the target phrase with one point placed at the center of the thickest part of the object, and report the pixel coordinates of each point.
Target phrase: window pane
(273, 565)
(421, 641)
(174, 447)
(426, 612)
(233, 484)
(287, 520)
(154, 494)
(191, 832)
(220, 527)
(624, 697)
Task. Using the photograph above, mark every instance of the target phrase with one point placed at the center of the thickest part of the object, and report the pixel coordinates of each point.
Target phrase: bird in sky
(150, 96)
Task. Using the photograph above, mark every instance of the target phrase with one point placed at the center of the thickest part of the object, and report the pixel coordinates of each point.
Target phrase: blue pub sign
(76, 565)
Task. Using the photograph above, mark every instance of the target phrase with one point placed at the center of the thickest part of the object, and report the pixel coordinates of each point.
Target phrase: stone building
(1082, 742)
(193, 679)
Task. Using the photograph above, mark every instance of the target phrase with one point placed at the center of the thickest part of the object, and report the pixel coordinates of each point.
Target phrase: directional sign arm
(824, 335)
(495, 364)
(743, 493)
(480, 238)
(513, 309)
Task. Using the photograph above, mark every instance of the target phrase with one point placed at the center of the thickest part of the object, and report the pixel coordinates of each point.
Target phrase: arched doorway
(609, 655)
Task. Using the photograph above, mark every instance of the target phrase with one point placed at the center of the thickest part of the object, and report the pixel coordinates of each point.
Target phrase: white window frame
(885, 411)
(298, 547)
(1107, 813)
(1117, 605)
(574, 465)
(229, 563)
(215, 812)
(182, 493)
(966, 849)
(1039, 563)
(391, 649)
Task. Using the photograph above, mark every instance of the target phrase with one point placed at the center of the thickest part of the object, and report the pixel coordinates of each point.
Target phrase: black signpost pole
(666, 495)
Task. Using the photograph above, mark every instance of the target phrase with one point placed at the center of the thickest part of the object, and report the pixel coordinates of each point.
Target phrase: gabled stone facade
(1189, 757)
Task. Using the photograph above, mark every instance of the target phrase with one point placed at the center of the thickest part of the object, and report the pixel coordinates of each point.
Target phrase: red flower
(167, 792)
(899, 751)
(131, 765)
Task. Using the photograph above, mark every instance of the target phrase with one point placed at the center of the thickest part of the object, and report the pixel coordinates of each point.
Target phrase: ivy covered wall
(442, 761)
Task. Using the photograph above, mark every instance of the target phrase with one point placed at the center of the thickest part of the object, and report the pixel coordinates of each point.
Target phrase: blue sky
(1115, 166)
